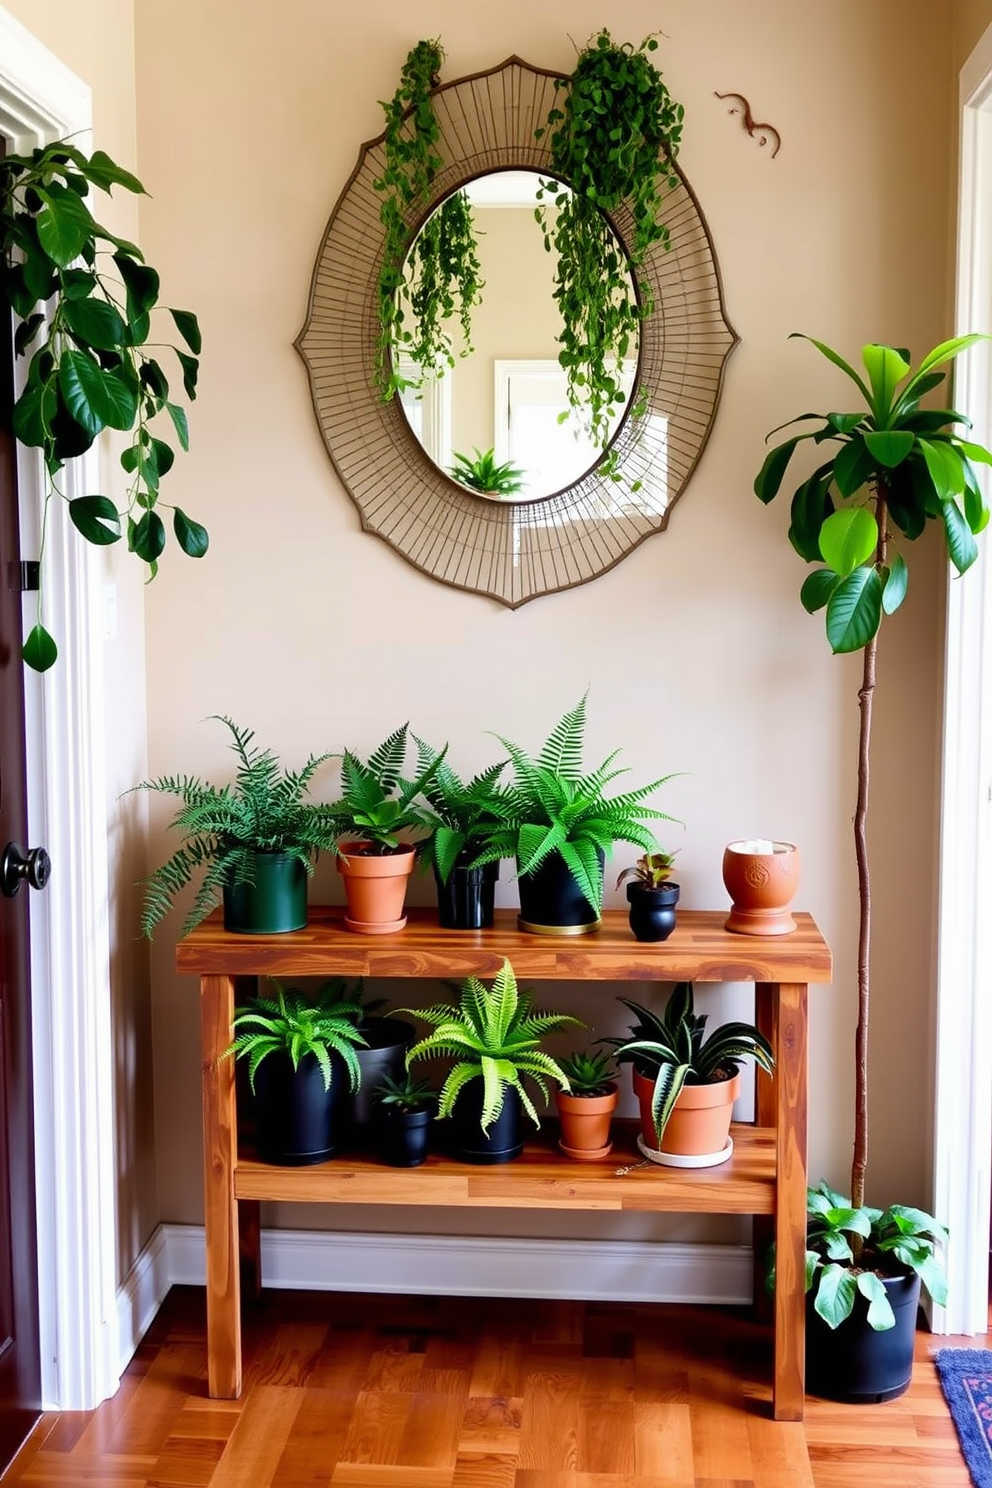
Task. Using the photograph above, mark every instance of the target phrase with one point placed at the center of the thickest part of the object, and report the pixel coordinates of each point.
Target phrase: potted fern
(494, 1035)
(586, 1108)
(253, 839)
(558, 823)
(300, 1056)
(685, 1083)
(377, 806)
(458, 818)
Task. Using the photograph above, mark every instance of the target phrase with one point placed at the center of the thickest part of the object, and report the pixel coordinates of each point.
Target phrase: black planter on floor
(404, 1136)
(465, 902)
(551, 902)
(504, 1140)
(652, 911)
(853, 1362)
(299, 1122)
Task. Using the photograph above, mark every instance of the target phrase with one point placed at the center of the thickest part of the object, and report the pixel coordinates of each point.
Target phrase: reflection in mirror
(498, 419)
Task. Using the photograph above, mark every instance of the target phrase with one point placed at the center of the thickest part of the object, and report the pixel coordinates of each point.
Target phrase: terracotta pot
(375, 887)
(700, 1123)
(585, 1123)
(762, 886)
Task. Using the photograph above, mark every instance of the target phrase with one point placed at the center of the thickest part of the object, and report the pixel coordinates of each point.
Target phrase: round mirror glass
(494, 412)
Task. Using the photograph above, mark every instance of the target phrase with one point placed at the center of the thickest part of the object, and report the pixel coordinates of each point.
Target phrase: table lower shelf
(541, 1178)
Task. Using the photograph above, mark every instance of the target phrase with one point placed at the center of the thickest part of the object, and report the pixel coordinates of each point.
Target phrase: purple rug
(966, 1380)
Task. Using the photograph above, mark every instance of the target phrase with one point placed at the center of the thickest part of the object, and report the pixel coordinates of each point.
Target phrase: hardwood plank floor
(346, 1391)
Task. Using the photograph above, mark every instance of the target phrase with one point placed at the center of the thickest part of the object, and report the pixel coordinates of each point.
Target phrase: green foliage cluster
(589, 1073)
(92, 366)
(289, 1024)
(224, 826)
(485, 474)
(553, 806)
(613, 136)
(434, 273)
(494, 1034)
(895, 461)
(404, 1093)
(652, 870)
(672, 1050)
(461, 813)
(377, 803)
(887, 1240)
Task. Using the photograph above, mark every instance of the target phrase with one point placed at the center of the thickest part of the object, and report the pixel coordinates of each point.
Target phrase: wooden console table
(765, 1177)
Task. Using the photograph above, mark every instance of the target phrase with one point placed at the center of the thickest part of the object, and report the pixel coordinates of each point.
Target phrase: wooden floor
(408, 1392)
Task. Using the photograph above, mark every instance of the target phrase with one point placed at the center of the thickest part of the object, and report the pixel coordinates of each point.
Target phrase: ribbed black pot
(405, 1136)
(466, 901)
(299, 1122)
(504, 1140)
(275, 903)
(551, 902)
(652, 911)
(386, 1043)
(853, 1362)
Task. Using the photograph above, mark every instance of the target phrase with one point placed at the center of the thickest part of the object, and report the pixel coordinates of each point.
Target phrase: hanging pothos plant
(86, 323)
(613, 136)
(427, 276)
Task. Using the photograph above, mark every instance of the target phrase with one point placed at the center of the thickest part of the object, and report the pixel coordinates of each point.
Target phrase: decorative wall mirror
(571, 522)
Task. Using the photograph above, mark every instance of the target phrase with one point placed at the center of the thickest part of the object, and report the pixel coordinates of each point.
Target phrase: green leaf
(843, 423)
(886, 369)
(33, 414)
(141, 284)
(191, 368)
(178, 418)
(147, 537)
(835, 1295)
(945, 467)
(854, 466)
(817, 589)
(769, 477)
(880, 1314)
(975, 451)
(854, 610)
(975, 511)
(961, 546)
(896, 584)
(836, 358)
(189, 328)
(104, 172)
(96, 322)
(39, 650)
(96, 517)
(192, 538)
(945, 352)
(96, 399)
(890, 446)
(811, 505)
(848, 539)
(64, 224)
(26, 332)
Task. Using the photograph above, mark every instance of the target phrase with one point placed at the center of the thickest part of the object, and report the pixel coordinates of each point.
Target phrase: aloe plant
(673, 1051)
(494, 1034)
(589, 1073)
(553, 806)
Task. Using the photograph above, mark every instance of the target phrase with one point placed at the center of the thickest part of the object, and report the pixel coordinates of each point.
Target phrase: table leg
(250, 1245)
(763, 1225)
(220, 1139)
(790, 1203)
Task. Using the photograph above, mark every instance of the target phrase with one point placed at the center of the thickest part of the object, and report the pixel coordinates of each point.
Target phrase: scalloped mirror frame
(511, 551)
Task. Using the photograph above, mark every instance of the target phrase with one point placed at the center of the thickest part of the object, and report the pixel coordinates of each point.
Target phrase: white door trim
(963, 1106)
(41, 100)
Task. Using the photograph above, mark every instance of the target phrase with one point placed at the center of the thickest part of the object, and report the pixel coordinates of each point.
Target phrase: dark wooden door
(20, 1367)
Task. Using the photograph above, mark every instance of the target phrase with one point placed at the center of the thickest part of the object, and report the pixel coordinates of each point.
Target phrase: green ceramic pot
(275, 903)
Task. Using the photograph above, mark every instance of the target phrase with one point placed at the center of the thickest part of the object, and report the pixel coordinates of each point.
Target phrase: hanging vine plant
(429, 276)
(613, 137)
(91, 365)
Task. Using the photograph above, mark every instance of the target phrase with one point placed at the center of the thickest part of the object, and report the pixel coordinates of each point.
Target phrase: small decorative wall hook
(763, 133)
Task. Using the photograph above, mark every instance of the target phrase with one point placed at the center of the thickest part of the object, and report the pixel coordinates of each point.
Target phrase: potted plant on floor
(685, 1083)
(254, 840)
(652, 896)
(300, 1058)
(558, 823)
(894, 467)
(586, 1108)
(494, 1035)
(378, 806)
(458, 819)
(406, 1109)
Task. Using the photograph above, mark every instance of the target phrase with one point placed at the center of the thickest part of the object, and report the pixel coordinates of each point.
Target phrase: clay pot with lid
(761, 885)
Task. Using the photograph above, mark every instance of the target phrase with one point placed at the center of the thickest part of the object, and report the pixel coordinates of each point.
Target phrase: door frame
(41, 100)
(963, 1031)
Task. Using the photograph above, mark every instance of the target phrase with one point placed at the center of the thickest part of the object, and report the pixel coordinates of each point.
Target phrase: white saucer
(682, 1160)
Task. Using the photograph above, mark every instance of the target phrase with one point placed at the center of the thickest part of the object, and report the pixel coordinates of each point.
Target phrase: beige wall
(95, 38)
(697, 653)
(971, 17)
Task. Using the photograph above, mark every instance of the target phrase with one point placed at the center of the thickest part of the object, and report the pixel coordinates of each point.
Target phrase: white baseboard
(445, 1265)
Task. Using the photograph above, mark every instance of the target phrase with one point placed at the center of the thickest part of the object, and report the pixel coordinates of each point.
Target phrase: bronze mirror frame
(512, 551)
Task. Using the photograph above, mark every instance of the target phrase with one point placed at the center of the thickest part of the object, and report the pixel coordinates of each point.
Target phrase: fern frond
(562, 753)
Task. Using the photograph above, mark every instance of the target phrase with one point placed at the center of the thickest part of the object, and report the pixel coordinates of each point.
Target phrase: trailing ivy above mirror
(511, 550)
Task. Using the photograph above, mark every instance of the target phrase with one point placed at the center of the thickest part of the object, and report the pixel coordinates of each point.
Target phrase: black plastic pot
(504, 1140)
(551, 902)
(275, 903)
(299, 1122)
(652, 911)
(853, 1362)
(465, 902)
(386, 1043)
(405, 1136)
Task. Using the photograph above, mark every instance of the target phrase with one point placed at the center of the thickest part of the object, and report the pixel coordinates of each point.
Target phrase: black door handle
(15, 866)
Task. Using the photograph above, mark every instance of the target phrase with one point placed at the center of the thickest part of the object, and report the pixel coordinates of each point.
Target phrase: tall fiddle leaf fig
(85, 300)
